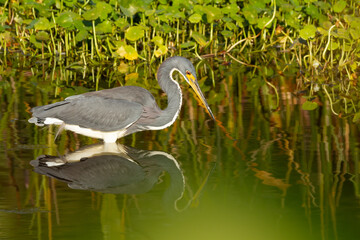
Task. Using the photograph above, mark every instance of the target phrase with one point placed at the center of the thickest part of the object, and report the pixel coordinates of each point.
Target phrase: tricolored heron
(114, 113)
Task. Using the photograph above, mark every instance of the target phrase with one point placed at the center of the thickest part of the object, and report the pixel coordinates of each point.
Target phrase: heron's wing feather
(104, 114)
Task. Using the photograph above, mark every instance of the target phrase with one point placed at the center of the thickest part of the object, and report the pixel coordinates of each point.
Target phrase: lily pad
(158, 41)
(339, 6)
(134, 33)
(131, 53)
(132, 77)
(42, 36)
(121, 23)
(227, 33)
(35, 42)
(356, 117)
(92, 14)
(199, 38)
(162, 50)
(104, 27)
(262, 21)
(333, 46)
(43, 24)
(308, 32)
(187, 44)
(355, 34)
(309, 106)
(213, 13)
(195, 18)
(232, 8)
(82, 35)
(104, 7)
(67, 19)
(128, 52)
(230, 25)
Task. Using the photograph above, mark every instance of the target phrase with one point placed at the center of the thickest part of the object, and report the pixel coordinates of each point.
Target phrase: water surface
(262, 171)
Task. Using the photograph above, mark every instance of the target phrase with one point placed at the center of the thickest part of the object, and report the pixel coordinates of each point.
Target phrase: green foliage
(308, 32)
(318, 37)
(308, 105)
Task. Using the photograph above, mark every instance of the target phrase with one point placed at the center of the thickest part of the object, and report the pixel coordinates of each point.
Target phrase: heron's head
(187, 70)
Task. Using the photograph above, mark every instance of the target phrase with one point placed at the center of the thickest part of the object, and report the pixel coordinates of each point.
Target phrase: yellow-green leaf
(308, 32)
(158, 41)
(134, 33)
(162, 50)
(308, 105)
(131, 76)
(199, 38)
(130, 53)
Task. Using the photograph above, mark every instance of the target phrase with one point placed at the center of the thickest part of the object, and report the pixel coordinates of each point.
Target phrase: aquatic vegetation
(319, 39)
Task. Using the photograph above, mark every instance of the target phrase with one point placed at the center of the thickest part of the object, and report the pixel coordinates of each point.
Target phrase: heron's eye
(188, 72)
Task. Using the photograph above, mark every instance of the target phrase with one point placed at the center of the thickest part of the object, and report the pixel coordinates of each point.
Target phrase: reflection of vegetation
(306, 161)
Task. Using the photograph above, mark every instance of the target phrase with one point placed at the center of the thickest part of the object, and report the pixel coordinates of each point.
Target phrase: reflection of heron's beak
(194, 84)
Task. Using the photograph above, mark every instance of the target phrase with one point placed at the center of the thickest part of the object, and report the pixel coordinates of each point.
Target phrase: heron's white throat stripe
(180, 102)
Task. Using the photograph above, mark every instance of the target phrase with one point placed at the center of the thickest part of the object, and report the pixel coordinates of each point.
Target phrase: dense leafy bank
(319, 39)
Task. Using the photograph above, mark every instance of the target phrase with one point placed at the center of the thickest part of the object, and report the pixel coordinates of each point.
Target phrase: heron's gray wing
(98, 113)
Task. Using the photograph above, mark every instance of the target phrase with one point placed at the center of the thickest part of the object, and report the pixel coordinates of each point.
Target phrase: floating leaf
(199, 38)
(355, 34)
(356, 117)
(212, 13)
(341, 33)
(92, 14)
(123, 67)
(291, 20)
(339, 6)
(187, 44)
(227, 33)
(119, 43)
(254, 84)
(162, 50)
(132, 77)
(134, 33)
(233, 8)
(121, 23)
(325, 6)
(251, 16)
(104, 7)
(262, 21)
(308, 105)
(43, 10)
(70, 3)
(127, 51)
(35, 42)
(81, 35)
(158, 41)
(42, 36)
(129, 8)
(313, 11)
(173, 12)
(308, 32)
(67, 19)
(131, 53)
(230, 25)
(104, 27)
(195, 18)
(333, 45)
(43, 24)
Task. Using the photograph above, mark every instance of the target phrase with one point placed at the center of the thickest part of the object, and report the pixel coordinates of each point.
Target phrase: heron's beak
(194, 84)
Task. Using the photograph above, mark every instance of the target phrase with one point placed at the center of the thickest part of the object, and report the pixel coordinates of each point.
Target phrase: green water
(260, 172)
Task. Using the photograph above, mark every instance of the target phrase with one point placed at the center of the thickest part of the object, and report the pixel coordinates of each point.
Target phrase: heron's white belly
(108, 137)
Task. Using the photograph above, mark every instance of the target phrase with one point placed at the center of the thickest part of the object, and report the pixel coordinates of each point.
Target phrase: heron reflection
(114, 168)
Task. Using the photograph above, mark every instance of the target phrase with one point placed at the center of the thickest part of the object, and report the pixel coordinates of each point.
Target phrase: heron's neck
(173, 92)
